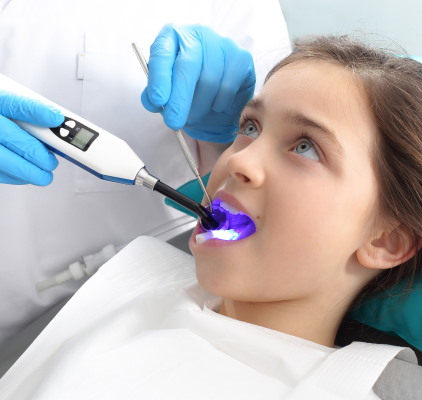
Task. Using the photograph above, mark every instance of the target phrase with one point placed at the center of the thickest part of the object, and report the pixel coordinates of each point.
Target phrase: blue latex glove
(24, 159)
(202, 79)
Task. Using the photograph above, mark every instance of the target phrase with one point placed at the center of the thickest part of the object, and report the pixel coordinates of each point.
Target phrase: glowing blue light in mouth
(234, 224)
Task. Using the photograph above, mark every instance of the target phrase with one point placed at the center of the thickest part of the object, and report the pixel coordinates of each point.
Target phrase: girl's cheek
(218, 174)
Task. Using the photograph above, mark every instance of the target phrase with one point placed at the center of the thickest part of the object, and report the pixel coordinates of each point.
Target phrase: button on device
(71, 124)
(64, 132)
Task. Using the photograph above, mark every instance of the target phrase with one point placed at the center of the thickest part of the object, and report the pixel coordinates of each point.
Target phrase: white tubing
(86, 266)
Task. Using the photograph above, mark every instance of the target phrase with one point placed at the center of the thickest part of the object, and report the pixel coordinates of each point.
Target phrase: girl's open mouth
(233, 224)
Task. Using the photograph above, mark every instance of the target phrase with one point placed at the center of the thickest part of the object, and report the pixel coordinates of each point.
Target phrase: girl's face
(302, 168)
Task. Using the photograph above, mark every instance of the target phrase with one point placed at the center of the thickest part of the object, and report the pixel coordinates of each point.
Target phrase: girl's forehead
(322, 84)
(321, 72)
(322, 91)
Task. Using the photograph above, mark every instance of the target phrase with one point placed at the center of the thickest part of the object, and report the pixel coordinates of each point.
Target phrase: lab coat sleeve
(258, 26)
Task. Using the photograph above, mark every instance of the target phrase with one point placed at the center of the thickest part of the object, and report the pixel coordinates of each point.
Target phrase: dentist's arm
(24, 159)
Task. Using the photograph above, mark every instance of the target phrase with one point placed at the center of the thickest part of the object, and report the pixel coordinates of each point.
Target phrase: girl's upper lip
(230, 199)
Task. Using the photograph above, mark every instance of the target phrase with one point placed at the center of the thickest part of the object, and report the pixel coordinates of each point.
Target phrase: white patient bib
(142, 328)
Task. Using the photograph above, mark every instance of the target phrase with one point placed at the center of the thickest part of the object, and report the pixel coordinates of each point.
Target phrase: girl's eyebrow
(307, 122)
(255, 104)
(302, 120)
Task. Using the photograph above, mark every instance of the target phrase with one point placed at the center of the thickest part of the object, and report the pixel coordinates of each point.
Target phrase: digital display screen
(81, 139)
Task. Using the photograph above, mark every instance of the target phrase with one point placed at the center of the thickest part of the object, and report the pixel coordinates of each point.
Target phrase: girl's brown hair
(393, 86)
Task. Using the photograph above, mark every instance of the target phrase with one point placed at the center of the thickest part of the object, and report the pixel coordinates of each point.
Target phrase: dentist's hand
(203, 81)
(24, 159)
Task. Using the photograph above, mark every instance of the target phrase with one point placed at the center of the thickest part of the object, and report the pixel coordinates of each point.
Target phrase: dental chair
(400, 380)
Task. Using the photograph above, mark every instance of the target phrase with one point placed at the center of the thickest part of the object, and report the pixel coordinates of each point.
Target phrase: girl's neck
(309, 320)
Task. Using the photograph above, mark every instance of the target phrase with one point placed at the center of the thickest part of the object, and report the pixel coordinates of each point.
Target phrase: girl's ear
(389, 249)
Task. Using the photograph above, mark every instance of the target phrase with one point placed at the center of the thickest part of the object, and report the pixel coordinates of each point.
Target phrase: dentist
(78, 54)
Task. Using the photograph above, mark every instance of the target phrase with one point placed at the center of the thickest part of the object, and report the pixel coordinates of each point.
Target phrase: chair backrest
(351, 331)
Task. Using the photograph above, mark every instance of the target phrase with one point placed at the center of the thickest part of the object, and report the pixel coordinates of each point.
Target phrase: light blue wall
(399, 21)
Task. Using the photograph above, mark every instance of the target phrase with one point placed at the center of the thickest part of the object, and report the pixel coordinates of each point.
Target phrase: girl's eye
(249, 129)
(307, 149)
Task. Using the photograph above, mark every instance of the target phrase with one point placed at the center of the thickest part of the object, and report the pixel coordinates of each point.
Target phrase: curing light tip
(232, 224)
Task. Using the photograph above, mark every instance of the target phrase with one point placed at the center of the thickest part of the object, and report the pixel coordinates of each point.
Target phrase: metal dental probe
(179, 135)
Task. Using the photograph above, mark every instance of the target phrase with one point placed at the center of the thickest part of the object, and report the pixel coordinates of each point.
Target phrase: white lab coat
(142, 328)
(78, 54)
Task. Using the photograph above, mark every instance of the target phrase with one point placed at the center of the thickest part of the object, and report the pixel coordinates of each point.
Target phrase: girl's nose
(246, 166)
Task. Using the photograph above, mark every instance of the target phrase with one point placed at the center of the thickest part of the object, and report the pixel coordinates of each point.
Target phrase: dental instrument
(100, 153)
(233, 224)
(179, 135)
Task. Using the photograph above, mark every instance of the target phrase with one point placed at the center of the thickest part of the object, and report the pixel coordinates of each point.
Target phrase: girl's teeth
(203, 237)
(229, 234)
(229, 208)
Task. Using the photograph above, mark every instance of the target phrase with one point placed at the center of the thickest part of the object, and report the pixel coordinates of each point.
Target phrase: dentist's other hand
(203, 81)
(23, 158)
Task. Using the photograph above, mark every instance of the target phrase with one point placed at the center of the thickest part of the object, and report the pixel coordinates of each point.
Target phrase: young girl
(328, 164)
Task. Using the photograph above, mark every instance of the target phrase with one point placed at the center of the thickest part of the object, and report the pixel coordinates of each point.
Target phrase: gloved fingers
(147, 103)
(29, 110)
(11, 181)
(186, 72)
(163, 53)
(238, 82)
(18, 141)
(14, 169)
(209, 81)
(224, 132)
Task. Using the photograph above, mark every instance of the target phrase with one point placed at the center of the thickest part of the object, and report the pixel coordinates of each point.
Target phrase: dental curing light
(100, 153)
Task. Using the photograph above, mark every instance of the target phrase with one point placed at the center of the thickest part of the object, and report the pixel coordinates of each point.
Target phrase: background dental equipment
(84, 267)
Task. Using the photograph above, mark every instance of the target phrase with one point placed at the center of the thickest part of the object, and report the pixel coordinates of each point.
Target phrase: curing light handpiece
(208, 221)
(99, 152)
